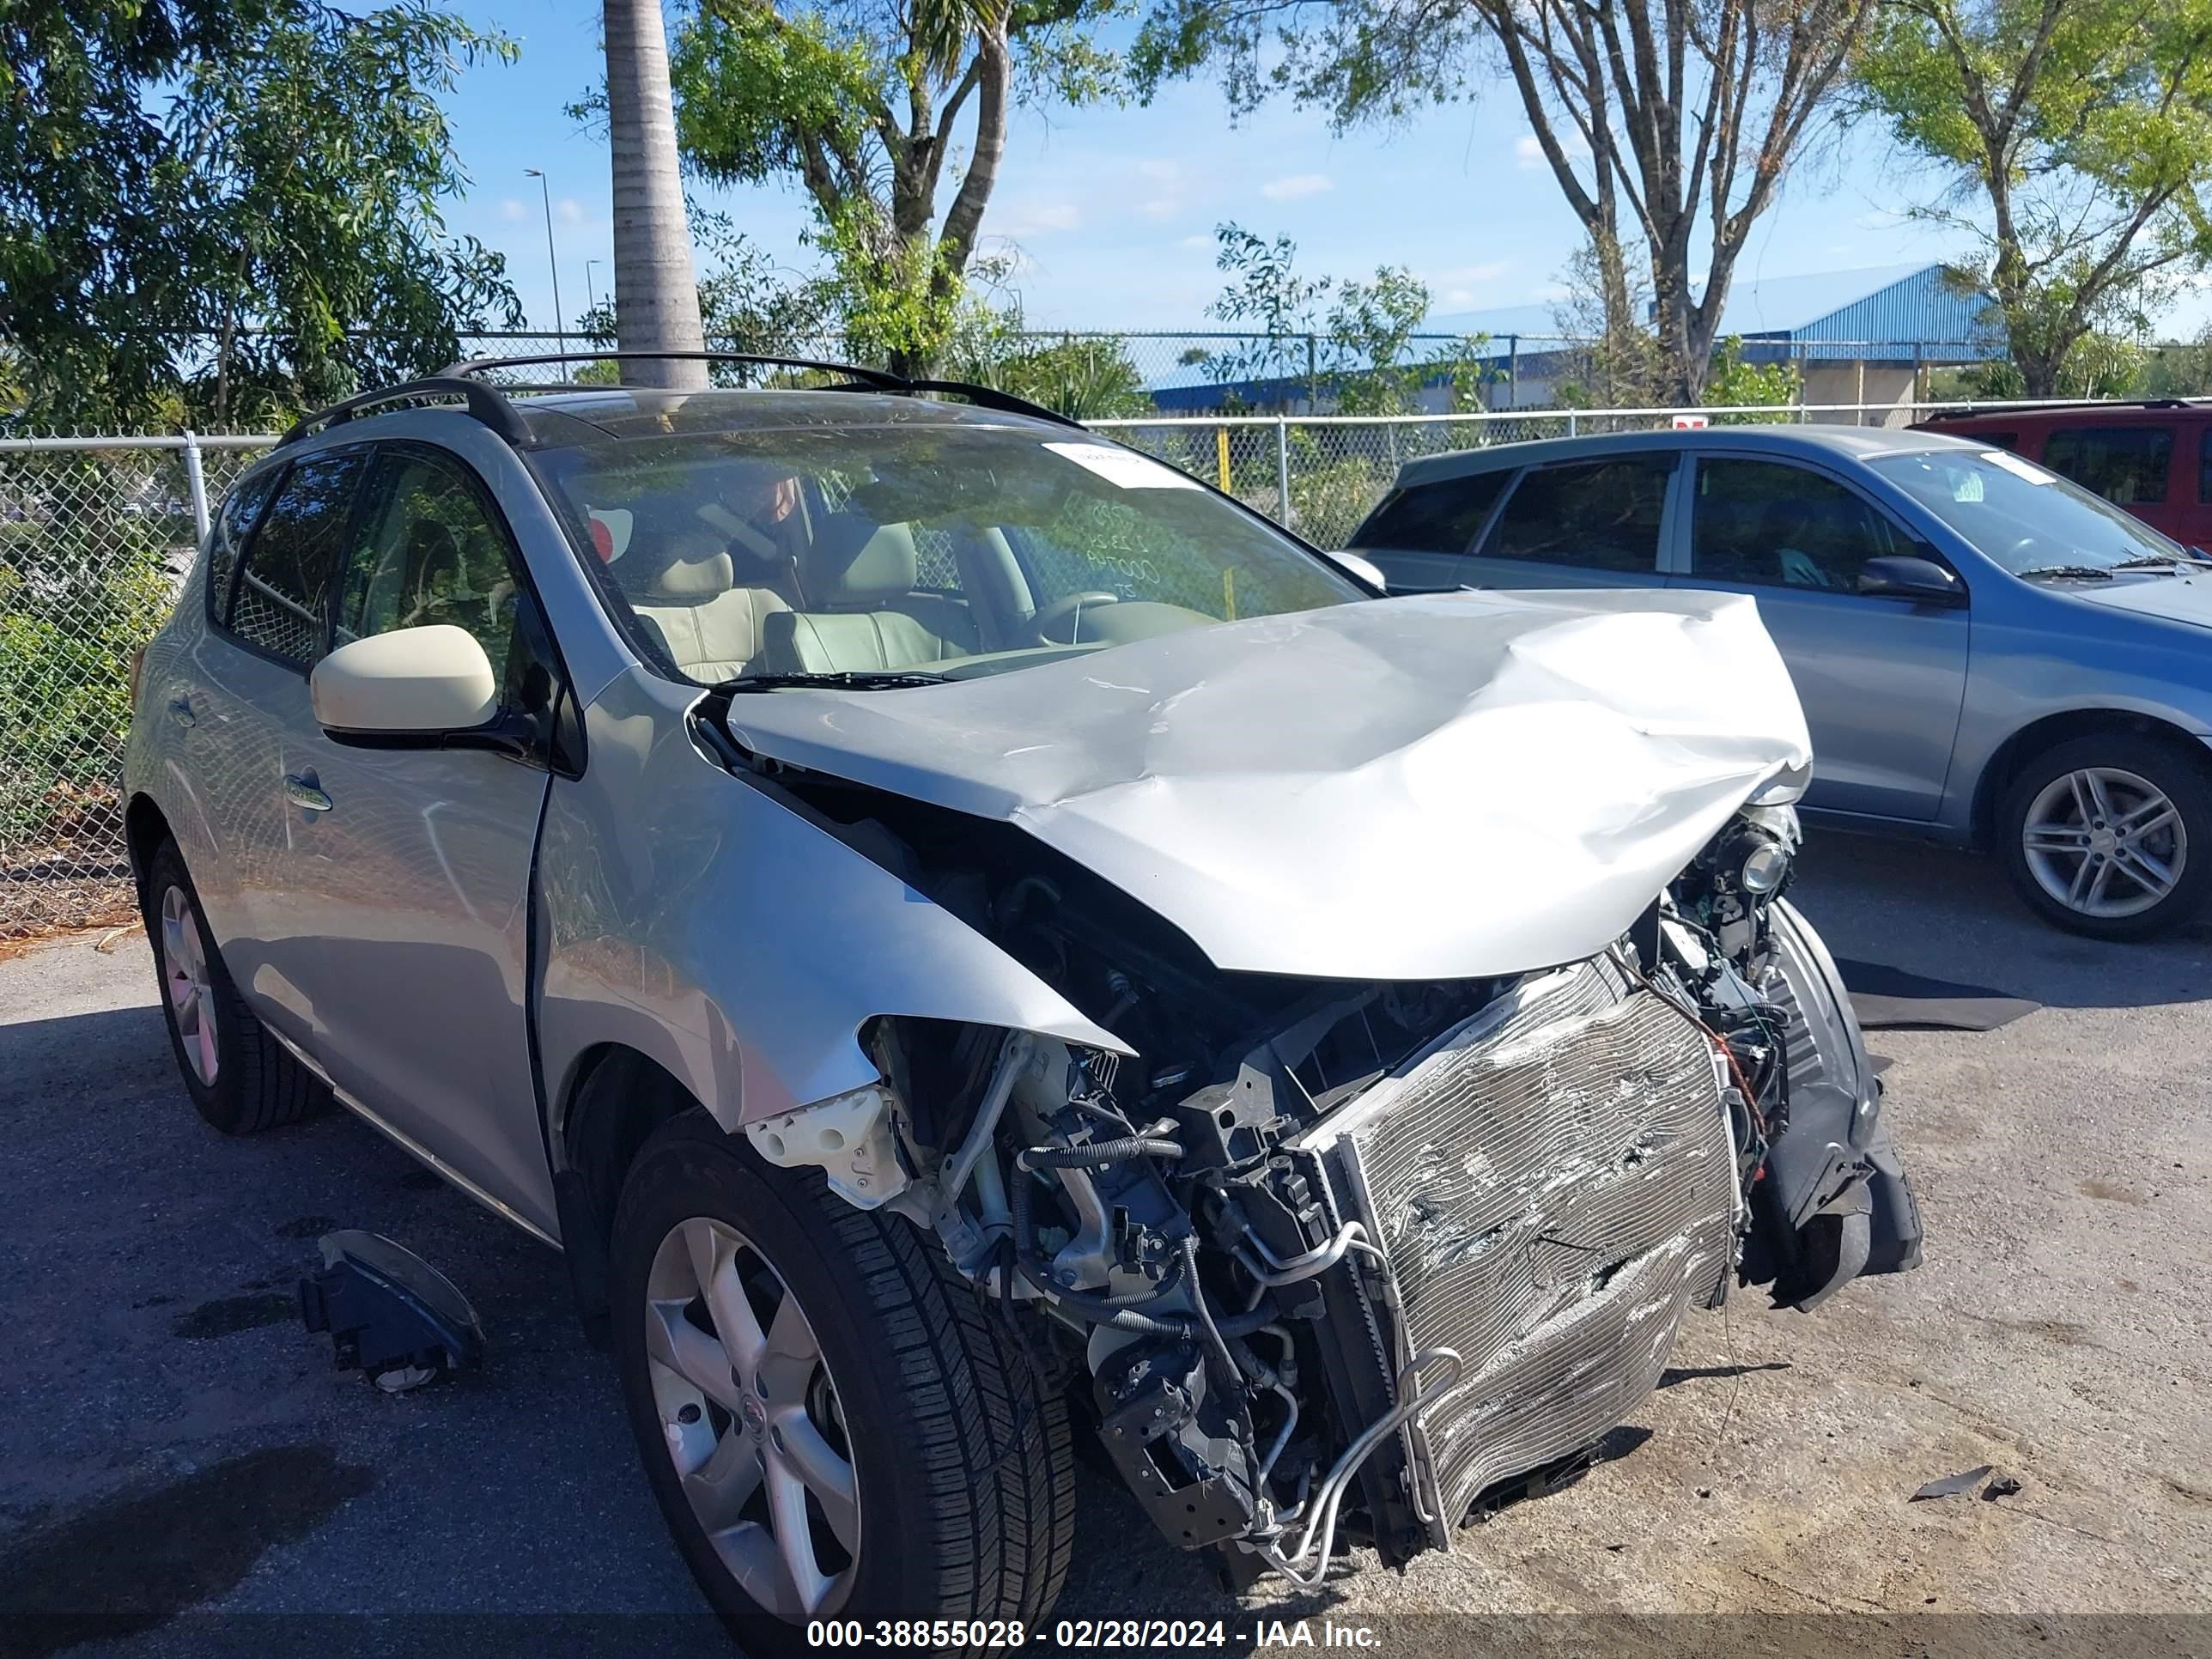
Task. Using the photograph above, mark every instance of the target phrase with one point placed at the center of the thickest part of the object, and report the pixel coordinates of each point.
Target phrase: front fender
(693, 917)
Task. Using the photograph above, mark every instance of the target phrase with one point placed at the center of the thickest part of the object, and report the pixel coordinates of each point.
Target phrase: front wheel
(833, 1423)
(2111, 835)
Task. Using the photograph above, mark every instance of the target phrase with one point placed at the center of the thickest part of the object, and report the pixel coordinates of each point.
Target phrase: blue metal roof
(1887, 313)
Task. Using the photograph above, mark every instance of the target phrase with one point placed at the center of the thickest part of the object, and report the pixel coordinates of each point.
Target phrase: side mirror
(1359, 566)
(421, 682)
(1923, 579)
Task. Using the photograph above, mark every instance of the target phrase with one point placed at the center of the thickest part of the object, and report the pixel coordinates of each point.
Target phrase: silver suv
(967, 938)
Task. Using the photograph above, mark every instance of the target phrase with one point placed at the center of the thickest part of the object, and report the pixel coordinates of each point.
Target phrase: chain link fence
(95, 535)
(97, 532)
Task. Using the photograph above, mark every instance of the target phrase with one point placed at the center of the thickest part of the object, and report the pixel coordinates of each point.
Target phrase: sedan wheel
(2111, 834)
(2105, 841)
(752, 1420)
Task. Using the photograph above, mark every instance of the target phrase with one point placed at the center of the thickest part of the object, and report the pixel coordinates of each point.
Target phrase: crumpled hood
(1443, 786)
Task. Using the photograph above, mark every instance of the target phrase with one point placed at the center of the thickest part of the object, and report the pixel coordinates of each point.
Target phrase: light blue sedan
(1987, 655)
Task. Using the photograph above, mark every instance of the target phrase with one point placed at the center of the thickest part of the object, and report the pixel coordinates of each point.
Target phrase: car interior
(826, 590)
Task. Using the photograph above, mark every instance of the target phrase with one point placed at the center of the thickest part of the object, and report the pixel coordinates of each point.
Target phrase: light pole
(591, 293)
(553, 259)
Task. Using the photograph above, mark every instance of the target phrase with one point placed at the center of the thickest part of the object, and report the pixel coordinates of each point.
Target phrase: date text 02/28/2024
(1103, 1633)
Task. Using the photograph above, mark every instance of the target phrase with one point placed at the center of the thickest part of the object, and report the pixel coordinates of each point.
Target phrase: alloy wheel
(2105, 843)
(191, 987)
(751, 1420)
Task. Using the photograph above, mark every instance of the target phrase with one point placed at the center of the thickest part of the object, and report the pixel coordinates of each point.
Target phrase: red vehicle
(2153, 458)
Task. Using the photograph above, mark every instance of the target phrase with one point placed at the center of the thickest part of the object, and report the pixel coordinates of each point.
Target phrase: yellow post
(1229, 592)
(1221, 433)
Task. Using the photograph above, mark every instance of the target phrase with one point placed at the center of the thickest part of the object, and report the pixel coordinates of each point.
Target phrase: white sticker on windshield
(1123, 468)
(2013, 464)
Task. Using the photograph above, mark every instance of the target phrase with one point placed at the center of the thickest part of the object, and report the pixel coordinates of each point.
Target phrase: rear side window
(2204, 464)
(1595, 515)
(2125, 464)
(1442, 517)
(283, 599)
(233, 525)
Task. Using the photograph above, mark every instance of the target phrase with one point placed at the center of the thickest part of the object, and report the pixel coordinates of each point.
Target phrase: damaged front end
(1328, 1260)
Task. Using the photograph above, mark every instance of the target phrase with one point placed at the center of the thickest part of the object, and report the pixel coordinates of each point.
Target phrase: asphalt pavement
(181, 1470)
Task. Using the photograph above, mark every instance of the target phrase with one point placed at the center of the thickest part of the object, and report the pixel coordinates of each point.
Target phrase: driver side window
(1774, 525)
(430, 552)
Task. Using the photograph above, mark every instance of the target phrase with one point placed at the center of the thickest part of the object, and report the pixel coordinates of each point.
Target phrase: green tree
(2076, 138)
(861, 103)
(1348, 343)
(225, 209)
(1735, 383)
(2177, 368)
(1667, 125)
(1085, 377)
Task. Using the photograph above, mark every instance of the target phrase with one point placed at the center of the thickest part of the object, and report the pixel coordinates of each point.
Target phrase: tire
(241, 1079)
(2085, 872)
(962, 1462)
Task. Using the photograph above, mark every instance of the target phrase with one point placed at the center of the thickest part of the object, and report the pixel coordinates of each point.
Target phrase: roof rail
(484, 403)
(2002, 406)
(863, 378)
(876, 377)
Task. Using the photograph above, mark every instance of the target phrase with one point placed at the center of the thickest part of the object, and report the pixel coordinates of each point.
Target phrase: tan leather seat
(714, 629)
(862, 611)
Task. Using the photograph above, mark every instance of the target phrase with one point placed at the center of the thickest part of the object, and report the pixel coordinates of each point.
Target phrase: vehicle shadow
(1950, 916)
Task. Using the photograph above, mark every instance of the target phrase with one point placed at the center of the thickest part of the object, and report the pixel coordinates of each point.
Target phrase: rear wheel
(241, 1079)
(834, 1425)
(2111, 835)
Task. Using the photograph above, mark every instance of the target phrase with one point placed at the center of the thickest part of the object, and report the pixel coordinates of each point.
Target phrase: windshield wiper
(843, 679)
(2154, 561)
(2071, 572)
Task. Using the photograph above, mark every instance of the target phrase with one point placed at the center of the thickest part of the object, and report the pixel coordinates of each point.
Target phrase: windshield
(882, 554)
(2029, 520)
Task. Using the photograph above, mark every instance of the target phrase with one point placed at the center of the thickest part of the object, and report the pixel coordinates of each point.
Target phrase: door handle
(305, 794)
(180, 710)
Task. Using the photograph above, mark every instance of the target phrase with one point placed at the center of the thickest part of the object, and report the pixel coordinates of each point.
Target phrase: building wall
(1890, 385)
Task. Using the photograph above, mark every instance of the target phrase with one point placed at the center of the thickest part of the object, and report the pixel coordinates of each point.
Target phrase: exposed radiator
(1551, 1184)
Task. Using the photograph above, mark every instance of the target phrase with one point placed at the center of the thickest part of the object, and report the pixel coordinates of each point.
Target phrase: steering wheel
(1063, 610)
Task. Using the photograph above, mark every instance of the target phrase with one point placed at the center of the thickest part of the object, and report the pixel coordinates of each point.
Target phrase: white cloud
(570, 209)
(1297, 186)
(1157, 168)
(1200, 240)
(1040, 218)
(1161, 207)
(1460, 296)
(1528, 150)
(512, 208)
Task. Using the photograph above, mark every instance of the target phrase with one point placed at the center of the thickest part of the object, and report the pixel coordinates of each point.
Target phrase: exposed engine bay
(1329, 1260)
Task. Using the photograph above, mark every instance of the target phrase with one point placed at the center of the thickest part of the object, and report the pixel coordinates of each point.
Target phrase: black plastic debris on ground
(2003, 1486)
(1951, 1485)
(390, 1314)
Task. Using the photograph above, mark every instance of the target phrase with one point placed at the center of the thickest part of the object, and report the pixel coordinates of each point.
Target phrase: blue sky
(1112, 209)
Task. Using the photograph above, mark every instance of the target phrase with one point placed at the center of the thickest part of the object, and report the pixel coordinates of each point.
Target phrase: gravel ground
(181, 1471)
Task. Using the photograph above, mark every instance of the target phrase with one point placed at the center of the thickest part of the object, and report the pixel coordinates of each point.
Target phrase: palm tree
(656, 291)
